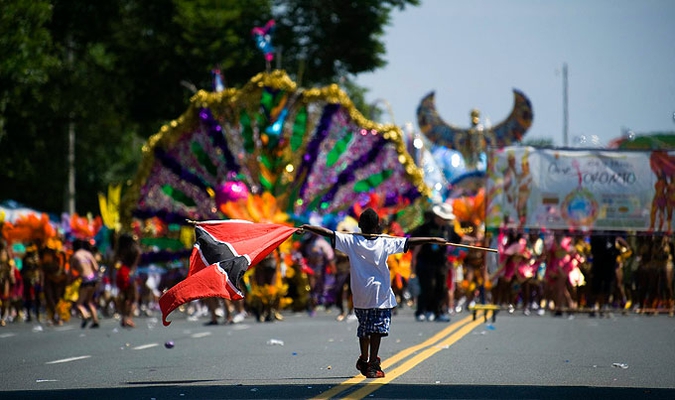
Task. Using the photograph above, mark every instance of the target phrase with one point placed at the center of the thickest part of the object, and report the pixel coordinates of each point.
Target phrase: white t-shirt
(369, 273)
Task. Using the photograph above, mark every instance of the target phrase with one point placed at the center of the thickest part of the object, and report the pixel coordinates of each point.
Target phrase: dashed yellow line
(431, 346)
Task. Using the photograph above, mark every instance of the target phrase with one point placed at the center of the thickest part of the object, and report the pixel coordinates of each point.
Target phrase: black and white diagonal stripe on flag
(222, 253)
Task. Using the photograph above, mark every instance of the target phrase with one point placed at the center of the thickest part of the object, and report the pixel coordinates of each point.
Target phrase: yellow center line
(437, 339)
(411, 363)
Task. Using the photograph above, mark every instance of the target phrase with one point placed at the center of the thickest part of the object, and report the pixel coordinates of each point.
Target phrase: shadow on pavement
(389, 391)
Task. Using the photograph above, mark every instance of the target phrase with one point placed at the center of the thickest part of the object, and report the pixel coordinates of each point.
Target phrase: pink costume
(565, 261)
(517, 258)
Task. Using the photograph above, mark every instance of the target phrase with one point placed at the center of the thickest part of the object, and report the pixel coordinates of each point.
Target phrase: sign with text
(580, 189)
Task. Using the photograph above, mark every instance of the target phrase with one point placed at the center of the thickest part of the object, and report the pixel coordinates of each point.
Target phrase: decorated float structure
(455, 161)
(460, 154)
(306, 150)
(271, 152)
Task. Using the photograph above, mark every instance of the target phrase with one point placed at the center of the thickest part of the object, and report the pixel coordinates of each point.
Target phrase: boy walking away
(370, 281)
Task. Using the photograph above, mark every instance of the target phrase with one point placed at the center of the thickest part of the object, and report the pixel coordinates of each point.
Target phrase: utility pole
(71, 167)
(565, 112)
(70, 190)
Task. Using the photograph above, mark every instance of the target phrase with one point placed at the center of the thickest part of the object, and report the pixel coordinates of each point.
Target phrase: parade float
(455, 161)
(455, 164)
(307, 150)
(460, 154)
(269, 152)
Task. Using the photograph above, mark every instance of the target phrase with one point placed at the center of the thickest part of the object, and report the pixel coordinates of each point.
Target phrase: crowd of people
(51, 281)
(593, 272)
(535, 272)
(556, 272)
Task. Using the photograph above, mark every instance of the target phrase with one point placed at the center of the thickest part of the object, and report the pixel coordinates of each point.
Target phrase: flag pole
(467, 246)
(472, 247)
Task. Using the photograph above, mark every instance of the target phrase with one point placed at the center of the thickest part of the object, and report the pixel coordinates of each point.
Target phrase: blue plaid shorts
(373, 320)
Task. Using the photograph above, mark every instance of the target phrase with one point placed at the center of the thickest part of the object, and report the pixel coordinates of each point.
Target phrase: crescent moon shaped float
(439, 132)
(471, 142)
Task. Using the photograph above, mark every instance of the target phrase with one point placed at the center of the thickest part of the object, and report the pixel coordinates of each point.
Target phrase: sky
(620, 57)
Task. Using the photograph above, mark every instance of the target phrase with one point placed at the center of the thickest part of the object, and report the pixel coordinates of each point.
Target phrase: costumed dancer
(580, 285)
(83, 263)
(399, 266)
(475, 282)
(371, 283)
(342, 289)
(234, 311)
(7, 281)
(526, 272)
(509, 246)
(663, 265)
(33, 282)
(127, 255)
(320, 257)
(537, 248)
(575, 278)
(297, 279)
(265, 294)
(53, 262)
(562, 261)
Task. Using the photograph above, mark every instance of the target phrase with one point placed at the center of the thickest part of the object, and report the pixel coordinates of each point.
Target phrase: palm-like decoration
(309, 148)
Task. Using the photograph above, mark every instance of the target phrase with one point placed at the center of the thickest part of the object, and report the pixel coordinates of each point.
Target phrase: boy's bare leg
(375, 340)
(364, 344)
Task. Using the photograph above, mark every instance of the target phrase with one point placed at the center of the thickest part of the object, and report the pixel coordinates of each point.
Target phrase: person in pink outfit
(512, 254)
(526, 272)
(562, 261)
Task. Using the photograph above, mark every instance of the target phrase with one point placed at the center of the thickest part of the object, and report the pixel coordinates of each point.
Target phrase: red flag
(222, 253)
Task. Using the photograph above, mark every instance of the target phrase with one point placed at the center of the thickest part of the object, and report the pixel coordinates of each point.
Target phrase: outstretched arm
(319, 230)
(414, 241)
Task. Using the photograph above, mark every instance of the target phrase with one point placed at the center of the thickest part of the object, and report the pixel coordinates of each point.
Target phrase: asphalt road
(537, 357)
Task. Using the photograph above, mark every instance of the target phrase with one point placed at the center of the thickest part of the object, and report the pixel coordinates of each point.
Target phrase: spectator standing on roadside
(430, 263)
(603, 271)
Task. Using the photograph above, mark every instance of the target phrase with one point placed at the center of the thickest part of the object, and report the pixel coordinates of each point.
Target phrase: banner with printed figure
(580, 189)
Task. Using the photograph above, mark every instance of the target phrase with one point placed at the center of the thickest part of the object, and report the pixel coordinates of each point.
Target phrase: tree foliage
(538, 142)
(115, 71)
